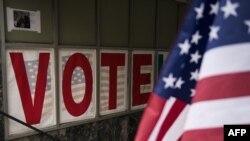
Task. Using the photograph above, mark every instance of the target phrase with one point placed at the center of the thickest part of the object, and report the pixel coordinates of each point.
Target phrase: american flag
(205, 82)
(31, 70)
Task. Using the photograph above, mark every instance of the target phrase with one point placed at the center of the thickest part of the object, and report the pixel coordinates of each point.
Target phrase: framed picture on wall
(25, 20)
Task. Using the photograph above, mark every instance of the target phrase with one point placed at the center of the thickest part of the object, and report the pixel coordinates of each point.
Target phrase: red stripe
(179, 138)
(174, 112)
(150, 117)
(212, 134)
(223, 86)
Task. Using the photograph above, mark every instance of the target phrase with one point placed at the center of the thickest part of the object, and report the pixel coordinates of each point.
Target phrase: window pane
(77, 22)
(168, 17)
(114, 22)
(144, 23)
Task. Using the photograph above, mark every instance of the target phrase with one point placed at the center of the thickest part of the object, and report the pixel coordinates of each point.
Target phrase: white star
(192, 92)
(194, 75)
(178, 83)
(230, 9)
(196, 37)
(183, 66)
(169, 81)
(214, 8)
(247, 22)
(184, 47)
(195, 57)
(199, 11)
(31, 70)
(213, 34)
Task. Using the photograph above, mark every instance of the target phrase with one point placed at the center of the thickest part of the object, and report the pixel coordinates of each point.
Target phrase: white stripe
(82, 85)
(120, 90)
(146, 88)
(105, 72)
(106, 94)
(106, 88)
(106, 68)
(105, 104)
(106, 75)
(165, 112)
(146, 69)
(226, 59)
(177, 129)
(216, 113)
(106, 101)
(120, 81)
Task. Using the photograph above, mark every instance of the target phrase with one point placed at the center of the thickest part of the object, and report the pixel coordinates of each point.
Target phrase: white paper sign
(113, 81)
(18, 19)
(77, 85)
(31, 90)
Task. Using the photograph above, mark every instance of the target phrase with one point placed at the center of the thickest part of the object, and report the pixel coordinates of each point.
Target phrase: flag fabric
(205, 81)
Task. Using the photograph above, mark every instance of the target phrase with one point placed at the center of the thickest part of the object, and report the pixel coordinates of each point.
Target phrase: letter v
(32, 112)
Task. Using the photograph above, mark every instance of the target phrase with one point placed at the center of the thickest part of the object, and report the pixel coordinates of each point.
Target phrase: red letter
(113, 60)
(139, 79)
(77, 60)
(32, 112)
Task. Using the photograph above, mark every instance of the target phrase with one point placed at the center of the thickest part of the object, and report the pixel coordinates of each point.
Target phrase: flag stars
(192, 92)
(247, 22)
(196, 37)
(199, 11)
(194, 75)
(214, 8)
(213, 34)
(183, 66)
(195, 57)
(33, 84)
(230, 9)
(179, 83)
(169, 81)
(184, 47)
